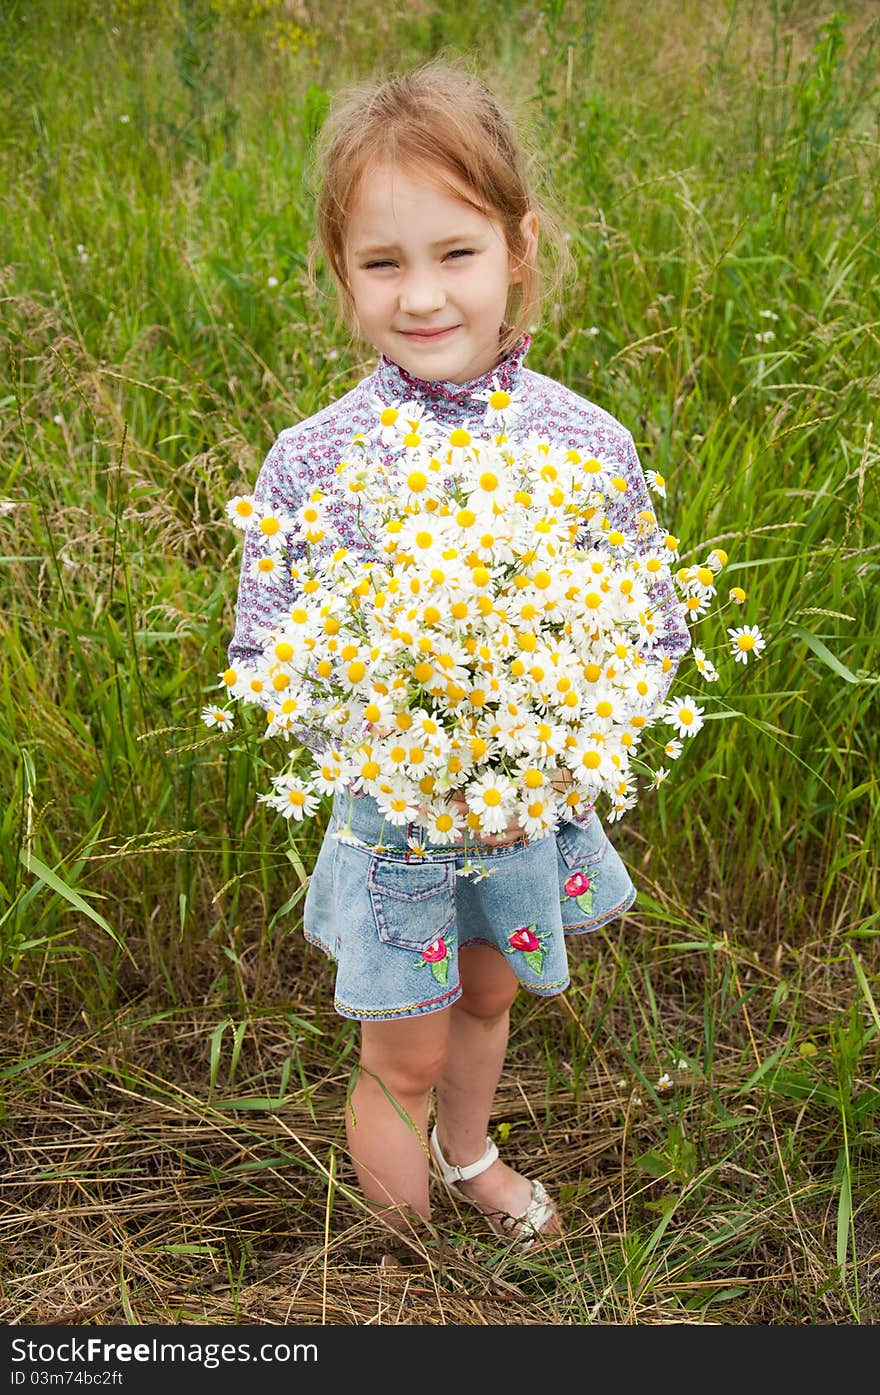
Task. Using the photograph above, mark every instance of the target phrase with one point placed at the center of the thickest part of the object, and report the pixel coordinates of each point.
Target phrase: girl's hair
(436, 120)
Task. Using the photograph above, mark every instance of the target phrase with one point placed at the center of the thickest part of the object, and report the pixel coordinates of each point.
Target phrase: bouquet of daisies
(490, 652)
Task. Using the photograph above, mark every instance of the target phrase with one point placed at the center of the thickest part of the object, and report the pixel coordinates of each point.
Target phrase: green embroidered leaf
(586, 901)
(440, 970)
(535, 959)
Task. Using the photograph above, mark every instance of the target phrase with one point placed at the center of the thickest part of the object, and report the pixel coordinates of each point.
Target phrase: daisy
(705, 666)
(746, 640)
(491, 798)
(398, 420)
(268, 570)
(656, 482)
(423, 535)
(673, 749)
(503, 408)
(285, 712)
(444, 823)
(537, 815)
(329, 774)
(695, 608)
(737, 595)
(660, 774)
(702, 582)
(618, 808)
(685, 716)
(274, 529)
(552, 528)
(588, 761)
(388, 415)
(489, 491)
(457, 447)
(250, 687)
(396, 802)
(294, 800)
(312, 519)
(242, 510)
(607, 707)
(640, 689)
(217, 717)
(647, 629)
(367, 765)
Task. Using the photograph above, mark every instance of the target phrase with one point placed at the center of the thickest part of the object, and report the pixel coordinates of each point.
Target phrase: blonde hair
(434, 120)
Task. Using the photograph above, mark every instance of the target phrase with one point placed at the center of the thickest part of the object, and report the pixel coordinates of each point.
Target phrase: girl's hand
(488, 840)
(561, 784)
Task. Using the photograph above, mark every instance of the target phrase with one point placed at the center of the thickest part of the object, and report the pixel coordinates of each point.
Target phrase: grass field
(172, 1070)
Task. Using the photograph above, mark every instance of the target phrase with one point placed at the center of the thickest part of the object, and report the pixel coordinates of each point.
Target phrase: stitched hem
(392, 1014)
(584, 925)
(550, 990)
(319, 944)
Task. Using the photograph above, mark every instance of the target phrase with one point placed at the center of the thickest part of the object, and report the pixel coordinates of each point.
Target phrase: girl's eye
(458, 252)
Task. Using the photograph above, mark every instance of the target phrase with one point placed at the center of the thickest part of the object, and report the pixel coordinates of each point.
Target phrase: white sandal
(524, 1229)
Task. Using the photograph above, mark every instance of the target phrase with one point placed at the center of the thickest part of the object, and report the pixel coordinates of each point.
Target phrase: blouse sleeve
(259, 603)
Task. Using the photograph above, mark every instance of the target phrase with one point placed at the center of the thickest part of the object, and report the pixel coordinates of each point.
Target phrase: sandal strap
(452, 1172)
(536, 1215)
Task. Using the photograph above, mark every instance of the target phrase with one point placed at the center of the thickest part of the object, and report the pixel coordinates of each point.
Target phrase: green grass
(720, 183)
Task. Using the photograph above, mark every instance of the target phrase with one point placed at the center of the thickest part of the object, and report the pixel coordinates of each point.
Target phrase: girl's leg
(389, 1154)
(480, 1022)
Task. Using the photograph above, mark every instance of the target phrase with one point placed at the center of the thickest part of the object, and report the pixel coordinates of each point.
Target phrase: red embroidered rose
(577, 885)
(524, 939)
(434, 952)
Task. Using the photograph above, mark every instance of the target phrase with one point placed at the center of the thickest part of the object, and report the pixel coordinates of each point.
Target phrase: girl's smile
(428, 336)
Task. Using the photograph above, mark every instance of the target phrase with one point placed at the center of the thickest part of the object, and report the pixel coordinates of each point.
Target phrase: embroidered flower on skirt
(579, 887)
(527, 942)
(437, 955)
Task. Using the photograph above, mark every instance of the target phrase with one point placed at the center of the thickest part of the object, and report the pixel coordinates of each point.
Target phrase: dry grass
(134, 1192)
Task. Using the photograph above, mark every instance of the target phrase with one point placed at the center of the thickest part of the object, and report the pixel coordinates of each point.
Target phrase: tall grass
(719, 180)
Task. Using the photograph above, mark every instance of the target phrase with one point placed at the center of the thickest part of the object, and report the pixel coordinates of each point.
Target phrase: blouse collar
(396, 384)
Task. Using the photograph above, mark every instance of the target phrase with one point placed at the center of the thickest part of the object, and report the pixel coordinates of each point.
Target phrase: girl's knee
(488, 1003)
(408, 1058)
(488, 984)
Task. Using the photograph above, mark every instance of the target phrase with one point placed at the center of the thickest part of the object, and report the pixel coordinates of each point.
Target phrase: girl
(430, 229)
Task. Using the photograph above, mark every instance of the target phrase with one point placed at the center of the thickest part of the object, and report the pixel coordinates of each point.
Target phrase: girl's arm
(259, 603)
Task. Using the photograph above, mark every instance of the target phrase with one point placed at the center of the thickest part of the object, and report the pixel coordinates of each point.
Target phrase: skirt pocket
(594, 885)
(413, 902)
(582, 843)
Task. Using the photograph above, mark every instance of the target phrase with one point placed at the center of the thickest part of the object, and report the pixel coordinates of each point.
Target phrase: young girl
(430, 230)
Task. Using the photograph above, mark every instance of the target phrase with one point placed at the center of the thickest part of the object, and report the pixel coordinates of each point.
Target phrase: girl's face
(429, 275)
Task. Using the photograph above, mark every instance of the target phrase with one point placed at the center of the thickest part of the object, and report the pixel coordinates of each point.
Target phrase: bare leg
(466, 1089)
(390, 1154)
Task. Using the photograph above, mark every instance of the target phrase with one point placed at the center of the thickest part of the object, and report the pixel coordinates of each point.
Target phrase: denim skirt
(395, 920)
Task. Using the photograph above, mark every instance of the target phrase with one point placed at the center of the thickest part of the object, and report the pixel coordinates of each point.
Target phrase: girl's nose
(422, 297)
